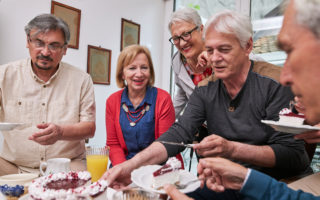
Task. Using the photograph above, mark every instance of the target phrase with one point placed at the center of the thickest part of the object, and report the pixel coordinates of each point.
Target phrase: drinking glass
(97, 161)
(131, 194)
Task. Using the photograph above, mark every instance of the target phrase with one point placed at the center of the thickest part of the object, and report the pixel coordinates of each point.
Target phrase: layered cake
(72, 185)
(167, 174)
(286, 116)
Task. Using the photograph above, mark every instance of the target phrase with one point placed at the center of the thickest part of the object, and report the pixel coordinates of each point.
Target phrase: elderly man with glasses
(53, 100)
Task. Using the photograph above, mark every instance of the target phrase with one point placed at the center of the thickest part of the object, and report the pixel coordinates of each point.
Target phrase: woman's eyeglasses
(184, 36)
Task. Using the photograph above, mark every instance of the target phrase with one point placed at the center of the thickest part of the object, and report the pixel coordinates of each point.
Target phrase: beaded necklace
(142, 110)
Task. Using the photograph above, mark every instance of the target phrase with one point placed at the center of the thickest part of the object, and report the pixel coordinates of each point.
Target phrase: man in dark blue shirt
(235, 127)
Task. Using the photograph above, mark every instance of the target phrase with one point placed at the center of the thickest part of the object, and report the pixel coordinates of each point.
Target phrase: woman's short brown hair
(126, 57)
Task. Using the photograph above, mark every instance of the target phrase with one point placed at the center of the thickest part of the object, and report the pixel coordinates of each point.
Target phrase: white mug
(55, 165)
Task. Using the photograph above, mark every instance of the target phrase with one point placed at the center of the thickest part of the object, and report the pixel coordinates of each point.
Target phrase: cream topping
(174, 163)
(285, 111)
(38, 189)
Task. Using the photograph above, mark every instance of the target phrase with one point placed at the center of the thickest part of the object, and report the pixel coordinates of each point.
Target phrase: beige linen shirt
(68, 97)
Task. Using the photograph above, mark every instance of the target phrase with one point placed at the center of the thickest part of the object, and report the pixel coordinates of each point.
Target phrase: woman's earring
(125, 82)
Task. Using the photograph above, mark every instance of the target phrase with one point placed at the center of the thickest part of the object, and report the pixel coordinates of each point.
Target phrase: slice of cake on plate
(286, 116)
(167, 174)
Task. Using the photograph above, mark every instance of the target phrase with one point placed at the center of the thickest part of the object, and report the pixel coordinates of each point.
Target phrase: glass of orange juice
(97, 161)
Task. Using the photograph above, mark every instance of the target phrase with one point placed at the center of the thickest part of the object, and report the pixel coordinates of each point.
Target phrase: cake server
(178, 144)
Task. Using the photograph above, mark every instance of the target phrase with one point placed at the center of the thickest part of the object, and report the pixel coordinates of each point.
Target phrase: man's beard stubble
(42, 57)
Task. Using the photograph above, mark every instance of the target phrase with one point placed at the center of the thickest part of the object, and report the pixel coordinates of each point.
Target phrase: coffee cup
(55, 165)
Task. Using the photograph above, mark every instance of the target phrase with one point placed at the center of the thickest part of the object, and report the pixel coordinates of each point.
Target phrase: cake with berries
(286, 116)
(72, 185)
(167, 174)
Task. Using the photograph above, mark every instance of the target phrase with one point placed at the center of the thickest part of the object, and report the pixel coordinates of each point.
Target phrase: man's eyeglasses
(39, 44)
(185, 36)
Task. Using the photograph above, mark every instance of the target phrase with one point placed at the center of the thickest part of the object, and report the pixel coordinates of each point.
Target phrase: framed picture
(72, 17)
(130, 33)
(99, 64)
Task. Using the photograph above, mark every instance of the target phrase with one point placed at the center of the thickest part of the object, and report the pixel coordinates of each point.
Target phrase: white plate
(2, 197)
(142, 177)
(107, 194)
(288, 128)
(5, 126)
(17, 179)
(25, 197)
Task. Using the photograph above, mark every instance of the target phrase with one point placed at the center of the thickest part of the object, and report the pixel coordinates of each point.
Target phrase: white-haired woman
(186, 30)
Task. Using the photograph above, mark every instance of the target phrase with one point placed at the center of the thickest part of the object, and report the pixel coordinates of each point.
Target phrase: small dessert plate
(290, 128)
(142, 177)
(5, 126)
(136, 194)
(17, 179)
(2, 197)
(25, 197)
(13, 185)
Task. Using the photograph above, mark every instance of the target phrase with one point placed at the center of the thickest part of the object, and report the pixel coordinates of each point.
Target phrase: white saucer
(142, 177)
(17, 179)
(5, 126)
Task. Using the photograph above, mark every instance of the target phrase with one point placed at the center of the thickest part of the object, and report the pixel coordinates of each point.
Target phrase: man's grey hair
(231, 22)
(308, 14)
(189, 15)
(47, 22)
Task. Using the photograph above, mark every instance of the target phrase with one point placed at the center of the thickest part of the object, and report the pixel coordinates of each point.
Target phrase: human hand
(118, 176)
(309, 136)
(203, 61)
(221, 174)
(174, 193)
(214, 145)
(49, 133)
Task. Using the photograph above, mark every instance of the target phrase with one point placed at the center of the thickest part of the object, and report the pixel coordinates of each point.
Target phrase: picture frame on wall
(130, 33)
(99, 64)
(72, 17)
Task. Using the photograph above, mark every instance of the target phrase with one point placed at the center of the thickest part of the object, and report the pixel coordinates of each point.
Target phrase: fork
(182, 186)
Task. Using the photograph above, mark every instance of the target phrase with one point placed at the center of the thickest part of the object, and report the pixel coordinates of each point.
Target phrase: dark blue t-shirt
(239, 119)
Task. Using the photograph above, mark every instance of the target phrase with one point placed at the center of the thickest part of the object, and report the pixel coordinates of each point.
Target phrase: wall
(100, 26)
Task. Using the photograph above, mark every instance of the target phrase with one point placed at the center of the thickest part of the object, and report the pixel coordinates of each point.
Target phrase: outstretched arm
(223, 174)
(119, 175)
